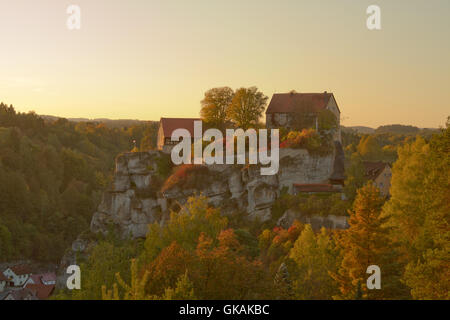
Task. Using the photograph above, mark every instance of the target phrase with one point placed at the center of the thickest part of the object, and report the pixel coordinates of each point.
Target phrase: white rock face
(134, 199)
(131, 203)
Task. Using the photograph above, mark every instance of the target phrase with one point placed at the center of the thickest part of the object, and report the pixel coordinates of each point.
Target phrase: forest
(52, 174)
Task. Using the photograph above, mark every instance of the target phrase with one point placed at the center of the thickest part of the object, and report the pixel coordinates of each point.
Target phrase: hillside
(52, 174)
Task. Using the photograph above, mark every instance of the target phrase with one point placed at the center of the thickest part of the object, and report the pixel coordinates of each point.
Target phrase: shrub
(309, 139)
(186, 176)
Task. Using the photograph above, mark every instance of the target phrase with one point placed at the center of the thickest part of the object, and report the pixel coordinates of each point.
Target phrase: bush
(309, 139)
(186, 176)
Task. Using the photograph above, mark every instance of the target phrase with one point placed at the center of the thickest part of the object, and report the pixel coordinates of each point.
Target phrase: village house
(18, 283)
(20, 294)
(290, 109)
(48, 278)
(380, 173)
(45, 278)
(17, 275)
(169, 125)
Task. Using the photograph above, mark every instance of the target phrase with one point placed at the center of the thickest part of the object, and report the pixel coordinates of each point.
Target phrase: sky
(145, 59)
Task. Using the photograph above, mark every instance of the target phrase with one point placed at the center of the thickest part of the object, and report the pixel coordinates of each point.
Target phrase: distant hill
(392, 129)
(119, 123)
(360, 129)
(397, 129)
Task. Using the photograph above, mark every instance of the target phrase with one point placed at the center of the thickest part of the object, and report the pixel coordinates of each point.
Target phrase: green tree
(214, 106)
(184, 290)
(355, 178)
(369, 148)
(420, 214)
(184, 227)
(315, 257)
(247, 107)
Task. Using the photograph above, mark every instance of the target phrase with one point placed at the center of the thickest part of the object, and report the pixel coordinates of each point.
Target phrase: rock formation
(135, 199)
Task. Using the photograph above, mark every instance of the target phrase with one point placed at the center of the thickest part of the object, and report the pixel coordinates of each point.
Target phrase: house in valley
(380, 173)
(20, 294)
(17, 275)
(169, 125)
(48, 278)
(302, 110)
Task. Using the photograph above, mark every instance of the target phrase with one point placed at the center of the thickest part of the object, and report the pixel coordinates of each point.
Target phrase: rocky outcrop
(131, 203)
(134, 199)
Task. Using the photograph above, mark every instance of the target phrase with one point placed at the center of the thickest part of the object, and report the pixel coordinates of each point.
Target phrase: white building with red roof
(167, 126)
(17, 275)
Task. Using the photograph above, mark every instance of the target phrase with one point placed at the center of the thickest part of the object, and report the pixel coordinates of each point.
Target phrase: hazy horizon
(149, 59)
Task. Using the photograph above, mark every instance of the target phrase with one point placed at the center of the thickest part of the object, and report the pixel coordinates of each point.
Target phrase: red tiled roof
(171, 124)
(298, 102)
(36, 278)
(51, 276)
(41, 290)
(21, 269)
(3, 277)
(373, 168)
(314, 187)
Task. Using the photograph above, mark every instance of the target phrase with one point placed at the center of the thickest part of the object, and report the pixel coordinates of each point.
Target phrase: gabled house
(33, 279)
(48, 278)
(286, 109)
(169, 125)
(17, 275)
(380, 173)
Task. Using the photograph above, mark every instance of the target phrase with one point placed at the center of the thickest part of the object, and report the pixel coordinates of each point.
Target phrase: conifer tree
(366, 243)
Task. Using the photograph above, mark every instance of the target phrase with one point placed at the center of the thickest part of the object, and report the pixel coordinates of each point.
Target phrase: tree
(283, 283)
(354, 176)
(315, 257)
(106, 259)
(247, 107)
(223, 271)
(167, 268)
(366, 242)
(369, 148)
(148, 141)
(184, 290)
(215, 106)
(184, 227)
(420, 214)
(133, 291)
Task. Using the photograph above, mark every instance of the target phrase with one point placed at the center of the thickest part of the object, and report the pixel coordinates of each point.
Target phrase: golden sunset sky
(143, 59)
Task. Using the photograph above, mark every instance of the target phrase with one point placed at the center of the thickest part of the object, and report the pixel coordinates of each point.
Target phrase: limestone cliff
(135, 198)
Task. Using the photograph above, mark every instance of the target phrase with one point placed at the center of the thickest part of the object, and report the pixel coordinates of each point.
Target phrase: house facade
(285, 108)
(17, 275)
(380, 173)
(167, 126)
